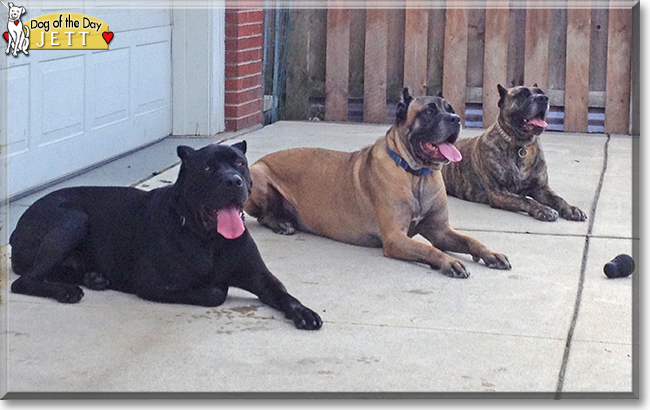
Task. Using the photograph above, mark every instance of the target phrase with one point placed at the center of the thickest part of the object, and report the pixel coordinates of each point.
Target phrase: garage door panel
(70, 109)
(110, 87)
(62, 99)
(120, 20)
(18, 110)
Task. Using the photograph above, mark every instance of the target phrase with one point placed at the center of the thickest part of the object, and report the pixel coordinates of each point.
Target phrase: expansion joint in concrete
(583, 267)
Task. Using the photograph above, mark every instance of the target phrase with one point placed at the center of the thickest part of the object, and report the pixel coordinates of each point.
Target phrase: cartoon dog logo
(17, 34)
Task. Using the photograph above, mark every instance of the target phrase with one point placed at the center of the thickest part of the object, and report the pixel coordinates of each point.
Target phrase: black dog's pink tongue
(229, 223)
(450, 152)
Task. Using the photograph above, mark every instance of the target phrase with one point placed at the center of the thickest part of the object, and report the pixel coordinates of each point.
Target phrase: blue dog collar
(402, 163)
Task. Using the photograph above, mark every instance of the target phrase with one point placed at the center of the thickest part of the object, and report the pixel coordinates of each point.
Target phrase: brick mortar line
(244, 103)
(242, 76)
(244, 62)
(242, 117)
(244, 49)
(245, 37)
(243, 89)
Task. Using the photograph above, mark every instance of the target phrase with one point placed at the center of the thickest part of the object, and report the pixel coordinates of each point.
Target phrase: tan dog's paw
(494, 260)
(455, 269)
(573, 213)
(544, 213)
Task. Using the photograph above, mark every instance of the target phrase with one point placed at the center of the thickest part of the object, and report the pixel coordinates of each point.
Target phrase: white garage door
(70, 109)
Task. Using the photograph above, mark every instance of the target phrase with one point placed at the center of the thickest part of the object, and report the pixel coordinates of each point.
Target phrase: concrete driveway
(553, 326)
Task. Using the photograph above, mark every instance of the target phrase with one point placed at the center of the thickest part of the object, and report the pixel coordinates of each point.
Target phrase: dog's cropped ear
(11, 5)
(22, 11)
(240, 146)
(403, 107)
(184, 152)
(502, 94)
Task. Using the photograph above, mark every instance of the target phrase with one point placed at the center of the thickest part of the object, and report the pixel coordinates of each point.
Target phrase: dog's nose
(454, 119)
(234, 180)
(543, 98)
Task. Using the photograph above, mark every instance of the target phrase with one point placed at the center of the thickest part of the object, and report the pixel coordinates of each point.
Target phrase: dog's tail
(26, 30)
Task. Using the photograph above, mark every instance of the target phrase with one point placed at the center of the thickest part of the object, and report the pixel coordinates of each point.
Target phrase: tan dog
(381, 195)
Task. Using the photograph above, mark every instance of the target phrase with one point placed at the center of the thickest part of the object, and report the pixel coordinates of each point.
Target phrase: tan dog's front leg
(518, 203)
(453, 241)
(399, 245)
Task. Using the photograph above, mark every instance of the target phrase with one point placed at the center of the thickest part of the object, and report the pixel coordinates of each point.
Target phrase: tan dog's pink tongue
(229, 223)
(450, 152)
(539, 123)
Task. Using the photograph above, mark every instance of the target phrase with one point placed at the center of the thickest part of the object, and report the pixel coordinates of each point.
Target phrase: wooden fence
(581, 57)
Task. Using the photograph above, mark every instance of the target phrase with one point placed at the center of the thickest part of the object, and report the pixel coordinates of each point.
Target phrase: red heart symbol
(16, 22)
(6, 35)
(108, 36)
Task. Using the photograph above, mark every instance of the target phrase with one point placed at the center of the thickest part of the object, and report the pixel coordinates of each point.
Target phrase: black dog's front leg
(253, 276)
(210, 296)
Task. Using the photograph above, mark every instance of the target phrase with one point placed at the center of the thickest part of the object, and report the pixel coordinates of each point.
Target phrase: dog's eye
(525, 92)
(206, 168)
(239, 163)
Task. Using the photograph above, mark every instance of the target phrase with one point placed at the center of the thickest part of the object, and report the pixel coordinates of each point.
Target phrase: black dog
(185, 243)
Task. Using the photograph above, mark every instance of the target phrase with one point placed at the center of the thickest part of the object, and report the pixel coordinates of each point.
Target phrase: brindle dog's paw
(69, 293)
(544, 213)
(95, 281)
(573, 213)
(455, 269)
(495, 261)
(305, 318)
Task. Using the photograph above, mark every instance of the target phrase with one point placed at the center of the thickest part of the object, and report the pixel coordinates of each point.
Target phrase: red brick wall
(244, 52)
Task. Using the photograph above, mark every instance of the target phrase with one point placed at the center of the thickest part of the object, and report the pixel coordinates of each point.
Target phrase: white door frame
(198, 70)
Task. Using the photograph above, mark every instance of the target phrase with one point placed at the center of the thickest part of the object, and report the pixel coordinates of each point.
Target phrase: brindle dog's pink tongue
(229, 223)
(539, 123)
(450, 152)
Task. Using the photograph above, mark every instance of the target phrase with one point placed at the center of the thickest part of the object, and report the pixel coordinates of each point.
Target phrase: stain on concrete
(420, 292)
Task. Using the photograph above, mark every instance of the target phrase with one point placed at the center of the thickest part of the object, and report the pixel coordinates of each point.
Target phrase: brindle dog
(505, 166)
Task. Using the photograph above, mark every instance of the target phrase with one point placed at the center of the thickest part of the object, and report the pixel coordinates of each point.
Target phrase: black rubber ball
(620, 267)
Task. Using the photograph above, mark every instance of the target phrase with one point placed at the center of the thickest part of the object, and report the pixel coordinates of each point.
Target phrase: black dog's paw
(95, 281)
(455, 269)
(69, 294)
(495, 261)
(573, 213)
(544, 213)
(305, 318)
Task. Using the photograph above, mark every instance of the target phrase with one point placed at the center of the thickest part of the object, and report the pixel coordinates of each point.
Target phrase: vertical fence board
(598, 50)
(395, 68)
(436, 43)
(537, 34)
(576, 97)
(516, 47)
(317, 51)
(475, 46)
(337, 68)
(619, 48)
(455, 60)
(357, 52)
(415, 50)
(298, 90)
(497, 32)
(374, 89)
(557, 57)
